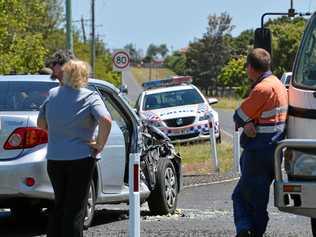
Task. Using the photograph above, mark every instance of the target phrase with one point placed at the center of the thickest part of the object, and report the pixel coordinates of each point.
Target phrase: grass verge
(196, 158)
(144, 74)
(227, 103)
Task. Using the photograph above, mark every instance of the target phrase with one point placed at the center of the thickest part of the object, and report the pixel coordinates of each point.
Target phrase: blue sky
(173, 22)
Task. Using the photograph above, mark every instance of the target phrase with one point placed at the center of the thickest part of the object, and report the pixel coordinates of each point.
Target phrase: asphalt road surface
(134, 89)
(203, 211)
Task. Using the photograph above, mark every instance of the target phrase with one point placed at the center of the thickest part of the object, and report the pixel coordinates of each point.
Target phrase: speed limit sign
(120, 60)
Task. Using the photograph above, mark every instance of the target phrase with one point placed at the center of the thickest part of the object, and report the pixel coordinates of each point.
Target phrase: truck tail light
(292, 188)
(22, 138)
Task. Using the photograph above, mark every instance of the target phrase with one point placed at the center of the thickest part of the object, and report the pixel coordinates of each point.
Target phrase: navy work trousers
(251, 194)
(71, 181)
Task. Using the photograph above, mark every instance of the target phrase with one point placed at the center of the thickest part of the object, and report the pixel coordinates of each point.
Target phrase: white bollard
(134, 199)
(236, 150)
(214, 160)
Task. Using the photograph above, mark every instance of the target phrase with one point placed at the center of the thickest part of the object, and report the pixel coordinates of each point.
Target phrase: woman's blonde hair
(76, 73)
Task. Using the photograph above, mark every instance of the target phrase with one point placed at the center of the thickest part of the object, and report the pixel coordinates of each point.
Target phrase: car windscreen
(306, 70)
(23, 95)
(172, 98)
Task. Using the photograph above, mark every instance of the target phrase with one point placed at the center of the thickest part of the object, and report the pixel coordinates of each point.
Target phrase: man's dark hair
(259, 59)
(60, 57)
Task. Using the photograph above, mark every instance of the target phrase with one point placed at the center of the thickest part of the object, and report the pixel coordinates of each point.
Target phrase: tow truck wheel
(163, 199)
(313, 224)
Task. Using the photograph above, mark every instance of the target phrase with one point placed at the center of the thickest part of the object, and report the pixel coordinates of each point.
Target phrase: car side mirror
(123, 89)
(212, 101)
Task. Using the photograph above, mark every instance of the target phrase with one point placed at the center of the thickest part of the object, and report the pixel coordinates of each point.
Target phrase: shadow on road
(37, 226)
(33, 226)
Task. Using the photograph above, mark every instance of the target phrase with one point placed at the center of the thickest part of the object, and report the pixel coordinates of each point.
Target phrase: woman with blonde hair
(71, 114)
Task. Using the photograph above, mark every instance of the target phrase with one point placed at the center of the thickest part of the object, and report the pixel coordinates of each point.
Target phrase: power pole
(83, 30)
(69, 42)
(93, 37)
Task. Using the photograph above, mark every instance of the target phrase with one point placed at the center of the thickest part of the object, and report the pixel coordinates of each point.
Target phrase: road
(203, 211)
(134, 89)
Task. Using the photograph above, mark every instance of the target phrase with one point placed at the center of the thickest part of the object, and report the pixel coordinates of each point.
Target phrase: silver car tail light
(22, 138)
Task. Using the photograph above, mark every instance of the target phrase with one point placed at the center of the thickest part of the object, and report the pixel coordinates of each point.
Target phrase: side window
(113, 109)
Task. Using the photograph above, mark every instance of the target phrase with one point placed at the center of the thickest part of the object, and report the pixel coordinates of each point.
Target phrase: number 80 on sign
(120, 60)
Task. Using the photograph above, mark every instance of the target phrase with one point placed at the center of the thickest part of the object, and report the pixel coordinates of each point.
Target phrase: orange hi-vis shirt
(266, 107)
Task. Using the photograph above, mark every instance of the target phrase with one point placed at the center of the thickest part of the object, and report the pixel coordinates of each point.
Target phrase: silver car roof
(46, 78)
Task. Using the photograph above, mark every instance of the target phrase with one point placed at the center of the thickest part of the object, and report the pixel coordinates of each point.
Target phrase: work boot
(245, 233)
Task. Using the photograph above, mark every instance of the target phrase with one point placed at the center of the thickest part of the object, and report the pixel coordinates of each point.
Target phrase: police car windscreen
(171, 99)
(23, 95)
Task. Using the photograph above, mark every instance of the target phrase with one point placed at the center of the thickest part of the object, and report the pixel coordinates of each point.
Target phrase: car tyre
(163, 199)
(313, 225)
(90, 207)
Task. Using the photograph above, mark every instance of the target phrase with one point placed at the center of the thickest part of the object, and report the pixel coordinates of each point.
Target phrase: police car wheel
(90, 207)
(163, 199)
(313, 225)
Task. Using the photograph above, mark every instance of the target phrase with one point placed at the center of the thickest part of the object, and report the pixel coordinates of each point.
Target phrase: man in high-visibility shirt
(263, 116)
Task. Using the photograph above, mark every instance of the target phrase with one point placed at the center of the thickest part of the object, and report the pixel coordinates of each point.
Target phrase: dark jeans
(251, 195)
(70, 181)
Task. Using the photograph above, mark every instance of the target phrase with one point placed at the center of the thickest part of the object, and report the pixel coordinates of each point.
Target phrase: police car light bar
(173, 81)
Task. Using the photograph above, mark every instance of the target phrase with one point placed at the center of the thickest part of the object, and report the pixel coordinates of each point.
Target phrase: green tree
(163, 50)
(103, 62)
(176, 62)
(206, 56)
(234, 75)
(286, 37)
(134, 53)
(21, 42)
(242, 43)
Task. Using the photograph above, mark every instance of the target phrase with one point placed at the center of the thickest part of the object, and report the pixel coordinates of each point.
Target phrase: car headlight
(304, 164)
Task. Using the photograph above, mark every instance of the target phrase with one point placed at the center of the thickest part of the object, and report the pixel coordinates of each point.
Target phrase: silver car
(24, 184)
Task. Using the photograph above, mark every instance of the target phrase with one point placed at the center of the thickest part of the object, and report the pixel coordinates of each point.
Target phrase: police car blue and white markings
(177, 108)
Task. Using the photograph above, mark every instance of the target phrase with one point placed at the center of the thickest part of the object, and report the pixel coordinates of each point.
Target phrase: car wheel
(163, 199)
(313, 225)
(90, 207)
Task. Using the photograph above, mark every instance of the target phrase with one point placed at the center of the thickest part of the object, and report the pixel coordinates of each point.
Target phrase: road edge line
(216, 182)
(227, 133)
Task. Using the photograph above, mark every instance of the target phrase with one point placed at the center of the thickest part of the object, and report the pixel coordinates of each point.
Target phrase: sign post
(214, 159)
(134, 199)
(120, 61)
(236, 150)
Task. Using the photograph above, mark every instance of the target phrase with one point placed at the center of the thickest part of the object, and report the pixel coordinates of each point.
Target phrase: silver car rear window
(23, 95)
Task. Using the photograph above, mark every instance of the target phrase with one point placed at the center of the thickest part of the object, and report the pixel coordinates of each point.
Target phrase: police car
(178, 109)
